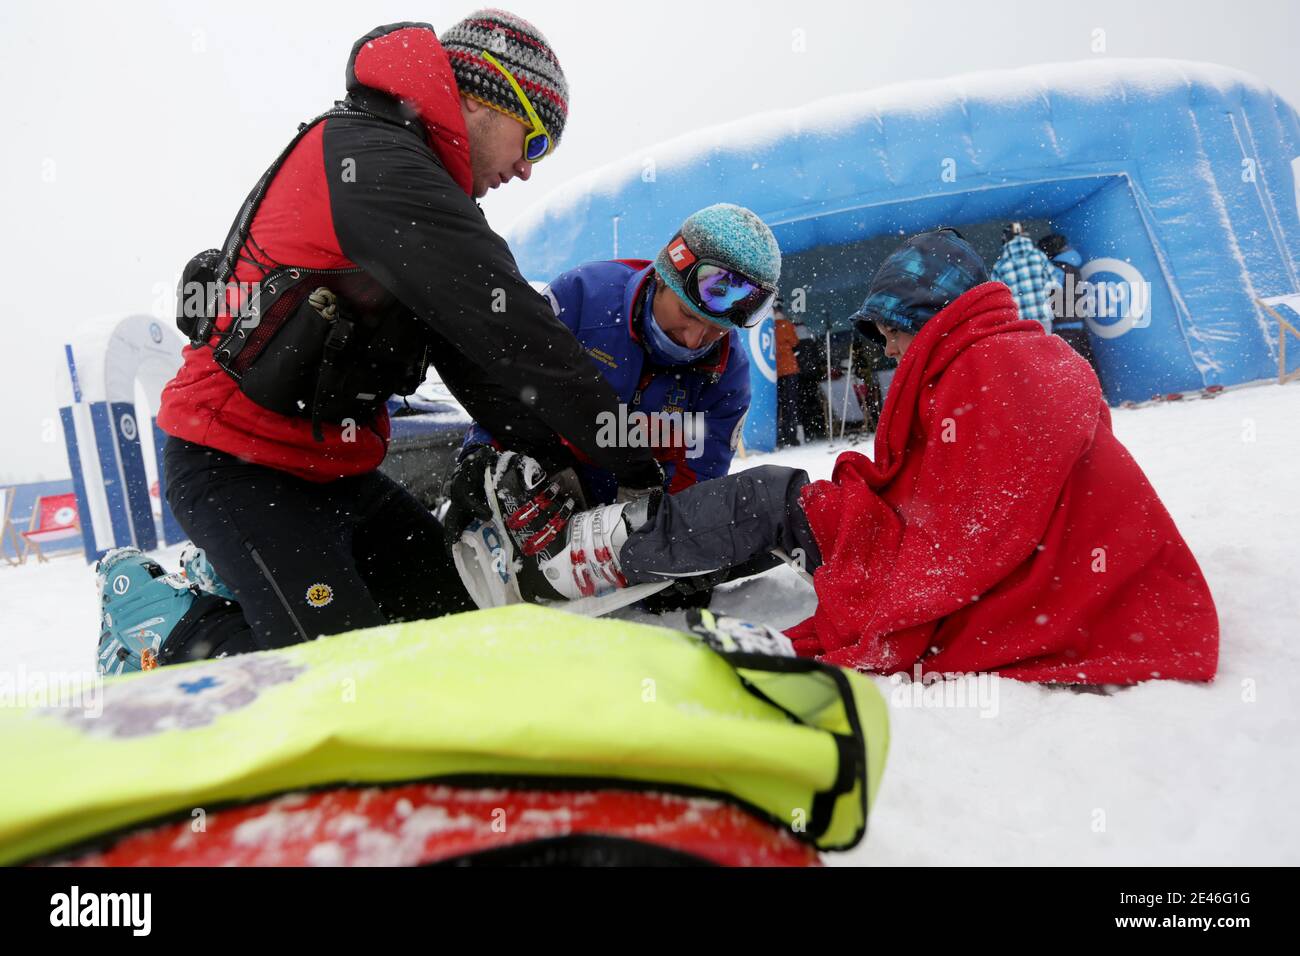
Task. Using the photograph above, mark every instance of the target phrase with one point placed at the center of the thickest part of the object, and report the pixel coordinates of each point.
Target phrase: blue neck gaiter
(662, 348)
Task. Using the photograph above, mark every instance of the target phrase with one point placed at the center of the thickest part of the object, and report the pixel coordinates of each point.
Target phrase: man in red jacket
(359, 259)
(990, 532)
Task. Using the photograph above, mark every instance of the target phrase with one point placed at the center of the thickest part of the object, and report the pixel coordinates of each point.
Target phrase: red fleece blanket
(1001, 526)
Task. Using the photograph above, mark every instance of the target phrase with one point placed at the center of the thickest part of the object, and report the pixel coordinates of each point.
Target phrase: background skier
(1068, 324)
(1029, 275)
(787, 381)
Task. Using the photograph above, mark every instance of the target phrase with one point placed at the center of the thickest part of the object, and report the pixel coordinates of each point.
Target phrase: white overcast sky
(131, 131)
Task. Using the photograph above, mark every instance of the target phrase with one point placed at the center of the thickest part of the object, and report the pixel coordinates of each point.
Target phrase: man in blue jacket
(666, 336)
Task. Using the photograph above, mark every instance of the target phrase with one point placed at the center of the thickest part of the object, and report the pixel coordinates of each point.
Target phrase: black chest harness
(327, 345)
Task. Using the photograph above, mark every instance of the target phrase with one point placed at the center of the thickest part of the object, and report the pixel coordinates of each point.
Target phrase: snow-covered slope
(1160, 773)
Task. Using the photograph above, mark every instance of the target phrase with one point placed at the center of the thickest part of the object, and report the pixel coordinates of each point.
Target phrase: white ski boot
(543, 548)
(581, 573)
(584, 563)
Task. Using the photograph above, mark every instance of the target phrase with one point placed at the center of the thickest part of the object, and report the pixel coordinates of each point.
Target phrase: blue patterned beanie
(731, 235)
(918, 280)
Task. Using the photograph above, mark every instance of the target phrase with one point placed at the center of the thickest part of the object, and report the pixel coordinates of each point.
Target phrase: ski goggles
(718, 290)
(538, 142)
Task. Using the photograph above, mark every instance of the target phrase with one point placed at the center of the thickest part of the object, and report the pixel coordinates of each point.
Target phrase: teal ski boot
(196, 567)
(140, 606)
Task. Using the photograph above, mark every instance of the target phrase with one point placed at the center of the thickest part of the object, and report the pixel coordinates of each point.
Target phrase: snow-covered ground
(1160, 773)
(1163, 772)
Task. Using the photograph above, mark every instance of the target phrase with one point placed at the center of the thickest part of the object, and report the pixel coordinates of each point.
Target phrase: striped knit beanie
(521, 49)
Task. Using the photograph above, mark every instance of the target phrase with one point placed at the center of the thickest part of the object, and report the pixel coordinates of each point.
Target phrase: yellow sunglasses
(538, 143)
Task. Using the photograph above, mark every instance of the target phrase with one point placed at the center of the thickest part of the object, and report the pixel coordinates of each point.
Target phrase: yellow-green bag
(517, 692)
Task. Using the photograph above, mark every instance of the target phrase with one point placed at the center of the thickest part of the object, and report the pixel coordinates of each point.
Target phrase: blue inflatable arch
(1176, 181)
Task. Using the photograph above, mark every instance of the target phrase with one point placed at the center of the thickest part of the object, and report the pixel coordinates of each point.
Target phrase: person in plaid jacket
(1029, 274)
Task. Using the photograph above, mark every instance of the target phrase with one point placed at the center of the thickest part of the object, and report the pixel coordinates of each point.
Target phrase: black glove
(535, 503)
(463, 487)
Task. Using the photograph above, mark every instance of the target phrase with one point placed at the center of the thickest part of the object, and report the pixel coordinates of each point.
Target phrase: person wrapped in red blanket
(999, 527)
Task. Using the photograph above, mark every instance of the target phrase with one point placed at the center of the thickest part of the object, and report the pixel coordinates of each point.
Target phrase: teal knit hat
(731, 235)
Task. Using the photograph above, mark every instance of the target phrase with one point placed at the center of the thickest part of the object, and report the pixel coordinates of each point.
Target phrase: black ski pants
(306, 559)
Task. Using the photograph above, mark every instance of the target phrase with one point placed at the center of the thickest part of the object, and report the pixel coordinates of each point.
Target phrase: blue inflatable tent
(1176, 181)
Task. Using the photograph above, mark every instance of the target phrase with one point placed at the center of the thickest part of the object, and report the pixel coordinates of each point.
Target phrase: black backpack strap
(332, 370)
(239, 229)
(243, 224)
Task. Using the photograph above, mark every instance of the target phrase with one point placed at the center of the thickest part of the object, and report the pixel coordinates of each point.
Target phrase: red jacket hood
(406, 61)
